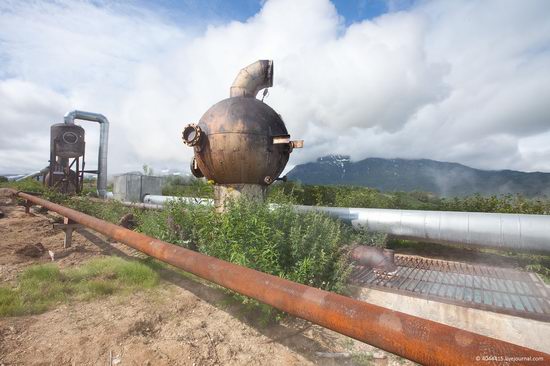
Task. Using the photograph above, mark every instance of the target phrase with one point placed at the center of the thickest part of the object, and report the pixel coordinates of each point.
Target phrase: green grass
(109, 210)
(27, 185)
(41, 287)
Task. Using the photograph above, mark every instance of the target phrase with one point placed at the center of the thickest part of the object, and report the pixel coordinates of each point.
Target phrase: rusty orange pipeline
(420, 340)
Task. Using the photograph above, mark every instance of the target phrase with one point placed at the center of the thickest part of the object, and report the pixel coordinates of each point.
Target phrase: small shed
(132, 187)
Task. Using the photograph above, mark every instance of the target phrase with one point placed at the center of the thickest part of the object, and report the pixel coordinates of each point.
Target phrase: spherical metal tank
(234, 142)
(68, 140)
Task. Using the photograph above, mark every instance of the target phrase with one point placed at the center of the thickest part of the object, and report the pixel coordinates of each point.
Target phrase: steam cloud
(454, 81)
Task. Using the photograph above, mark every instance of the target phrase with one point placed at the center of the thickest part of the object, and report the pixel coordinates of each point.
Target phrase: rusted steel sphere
(234, 142)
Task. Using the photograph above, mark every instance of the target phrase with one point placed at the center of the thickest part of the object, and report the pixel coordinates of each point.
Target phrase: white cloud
(459, 81)
(26, 112)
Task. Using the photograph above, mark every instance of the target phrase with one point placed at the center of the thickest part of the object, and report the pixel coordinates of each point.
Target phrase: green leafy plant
(187, 187)
(306, 248)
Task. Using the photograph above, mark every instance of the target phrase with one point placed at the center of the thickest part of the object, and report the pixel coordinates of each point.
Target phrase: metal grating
(489, 288)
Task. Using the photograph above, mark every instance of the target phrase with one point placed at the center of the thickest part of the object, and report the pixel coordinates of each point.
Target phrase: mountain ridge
(446, 179)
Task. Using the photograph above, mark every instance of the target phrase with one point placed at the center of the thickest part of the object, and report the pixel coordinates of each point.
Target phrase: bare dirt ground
(182, 322)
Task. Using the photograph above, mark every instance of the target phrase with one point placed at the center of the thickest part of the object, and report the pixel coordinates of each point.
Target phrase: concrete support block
(225, 193)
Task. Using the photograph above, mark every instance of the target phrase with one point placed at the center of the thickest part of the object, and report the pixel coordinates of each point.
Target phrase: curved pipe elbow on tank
(103, 145)
(253, 78)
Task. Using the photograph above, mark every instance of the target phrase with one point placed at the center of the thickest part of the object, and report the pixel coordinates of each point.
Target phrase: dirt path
(182, 322)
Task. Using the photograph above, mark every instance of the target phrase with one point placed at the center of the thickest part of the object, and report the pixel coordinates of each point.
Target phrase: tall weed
(306, 248)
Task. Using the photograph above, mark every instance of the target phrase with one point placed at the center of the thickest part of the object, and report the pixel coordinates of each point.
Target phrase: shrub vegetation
(306, 248)
(190, 187)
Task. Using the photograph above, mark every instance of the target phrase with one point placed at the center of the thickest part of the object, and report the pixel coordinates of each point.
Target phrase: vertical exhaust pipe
(253, 78)
(103, 145)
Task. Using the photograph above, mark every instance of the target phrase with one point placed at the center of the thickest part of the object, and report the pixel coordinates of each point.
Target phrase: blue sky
(464, 81)
(240, 10)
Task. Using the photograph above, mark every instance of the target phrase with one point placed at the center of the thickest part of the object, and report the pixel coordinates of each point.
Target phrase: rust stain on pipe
(417, 339)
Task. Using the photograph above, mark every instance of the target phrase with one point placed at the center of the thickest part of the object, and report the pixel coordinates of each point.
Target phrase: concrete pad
(528, 333)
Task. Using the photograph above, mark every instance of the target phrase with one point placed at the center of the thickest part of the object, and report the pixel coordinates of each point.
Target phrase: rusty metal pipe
(417, 339)
(251, 79)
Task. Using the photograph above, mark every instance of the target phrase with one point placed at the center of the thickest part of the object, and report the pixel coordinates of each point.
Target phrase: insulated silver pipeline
(103, 145)
(518, 232)
(161, 200)
(148, 206)
(34, 174)
(251, 79)
(471, 229)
